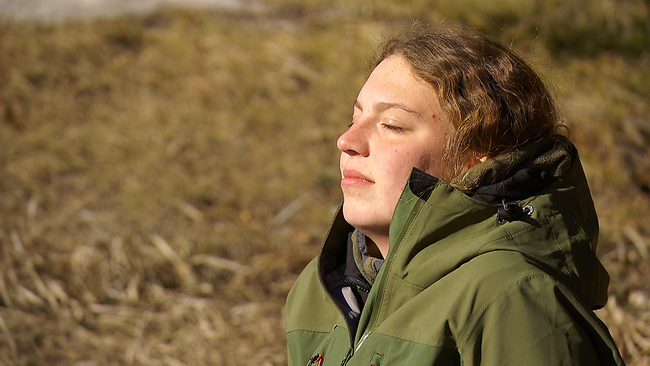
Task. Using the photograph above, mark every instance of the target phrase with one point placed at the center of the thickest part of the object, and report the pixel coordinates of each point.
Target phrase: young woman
(467, 231)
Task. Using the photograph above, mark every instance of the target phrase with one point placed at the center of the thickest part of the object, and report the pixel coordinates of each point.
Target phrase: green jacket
(469, 280)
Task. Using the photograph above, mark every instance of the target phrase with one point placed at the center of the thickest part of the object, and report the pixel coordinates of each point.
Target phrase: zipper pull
(316, 359)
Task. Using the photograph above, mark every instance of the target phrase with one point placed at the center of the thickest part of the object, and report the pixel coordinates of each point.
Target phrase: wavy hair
(494, 101)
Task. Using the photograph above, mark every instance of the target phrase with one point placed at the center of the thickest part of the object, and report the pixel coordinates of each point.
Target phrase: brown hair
(494, 101)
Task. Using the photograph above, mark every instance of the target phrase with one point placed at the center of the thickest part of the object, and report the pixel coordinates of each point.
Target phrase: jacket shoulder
(526, 313)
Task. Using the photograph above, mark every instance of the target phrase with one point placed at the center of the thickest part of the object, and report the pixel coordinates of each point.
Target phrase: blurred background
(166, 171)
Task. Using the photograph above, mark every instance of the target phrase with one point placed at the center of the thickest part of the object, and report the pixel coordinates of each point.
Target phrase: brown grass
(163, 179)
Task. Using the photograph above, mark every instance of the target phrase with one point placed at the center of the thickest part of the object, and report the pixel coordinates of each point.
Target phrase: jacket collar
(519, 173)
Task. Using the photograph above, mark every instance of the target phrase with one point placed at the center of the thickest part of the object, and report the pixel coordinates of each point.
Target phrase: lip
(353, 178)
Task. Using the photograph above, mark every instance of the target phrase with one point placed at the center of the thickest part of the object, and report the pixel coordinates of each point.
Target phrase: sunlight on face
(397, 125)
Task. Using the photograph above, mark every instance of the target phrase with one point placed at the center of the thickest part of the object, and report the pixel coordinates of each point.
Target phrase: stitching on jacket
(512, 235)
(315, 332)
(557, 242)
(392, 262)
(421, 288)
(496, 295)
(412, 342)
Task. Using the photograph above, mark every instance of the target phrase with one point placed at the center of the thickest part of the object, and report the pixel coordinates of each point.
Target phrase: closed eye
(392, 127)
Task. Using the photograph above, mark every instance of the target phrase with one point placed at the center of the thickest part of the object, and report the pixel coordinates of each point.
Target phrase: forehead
(393, 81)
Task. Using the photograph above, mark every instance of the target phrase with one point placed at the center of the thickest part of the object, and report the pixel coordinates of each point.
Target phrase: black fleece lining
(353, 276)
(421, 183)
(524, 183)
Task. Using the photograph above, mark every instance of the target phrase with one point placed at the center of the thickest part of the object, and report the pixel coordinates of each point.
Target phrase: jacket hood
(519, 173)
(534, 201)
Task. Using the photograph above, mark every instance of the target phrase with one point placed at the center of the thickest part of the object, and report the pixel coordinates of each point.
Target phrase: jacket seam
(307, 330)
(557, 242)
(511, 235)
(391, 262)
(405, 281)
(489, 303)
(412, 342)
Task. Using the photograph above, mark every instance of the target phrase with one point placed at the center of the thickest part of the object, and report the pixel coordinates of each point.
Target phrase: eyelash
(384, 125)
(391, 127)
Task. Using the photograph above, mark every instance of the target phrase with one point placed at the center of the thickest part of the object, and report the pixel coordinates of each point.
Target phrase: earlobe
(475, 158)
(468, 161)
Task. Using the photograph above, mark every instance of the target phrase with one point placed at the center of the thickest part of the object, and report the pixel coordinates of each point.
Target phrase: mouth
(353, 178)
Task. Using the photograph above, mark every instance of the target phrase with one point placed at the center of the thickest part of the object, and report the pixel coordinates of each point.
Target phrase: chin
(354, 215)
(349, 213)
(358, 217)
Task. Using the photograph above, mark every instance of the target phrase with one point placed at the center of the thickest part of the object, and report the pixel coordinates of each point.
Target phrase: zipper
(361, 340)
(357, 283)
(381, 280)
(347, 357)
(318, 360)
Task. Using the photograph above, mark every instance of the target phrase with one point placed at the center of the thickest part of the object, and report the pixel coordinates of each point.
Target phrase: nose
(354, 141)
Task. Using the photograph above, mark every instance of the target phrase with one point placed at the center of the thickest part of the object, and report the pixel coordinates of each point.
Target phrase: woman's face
(397, 125)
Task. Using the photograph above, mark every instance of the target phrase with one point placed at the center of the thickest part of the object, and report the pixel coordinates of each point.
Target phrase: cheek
(431, 162)
(421, 158)
(398, 168)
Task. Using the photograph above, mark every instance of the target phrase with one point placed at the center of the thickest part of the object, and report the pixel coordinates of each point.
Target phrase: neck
(377, 246)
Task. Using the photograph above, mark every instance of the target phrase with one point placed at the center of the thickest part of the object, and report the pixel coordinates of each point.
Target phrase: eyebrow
(384, 106)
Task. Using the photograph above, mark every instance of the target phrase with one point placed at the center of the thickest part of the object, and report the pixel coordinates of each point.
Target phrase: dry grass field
(164, 178)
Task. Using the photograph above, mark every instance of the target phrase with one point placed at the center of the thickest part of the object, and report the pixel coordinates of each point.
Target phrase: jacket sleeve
(537, 321)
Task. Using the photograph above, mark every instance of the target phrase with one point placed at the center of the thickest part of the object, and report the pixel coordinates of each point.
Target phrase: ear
(474, 158)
